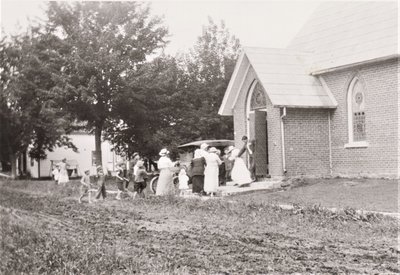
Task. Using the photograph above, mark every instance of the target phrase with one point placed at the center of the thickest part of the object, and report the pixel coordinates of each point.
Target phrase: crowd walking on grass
(209, 169)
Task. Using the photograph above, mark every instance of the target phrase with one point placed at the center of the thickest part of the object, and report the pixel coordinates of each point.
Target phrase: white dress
(183, 182)
(63, 175)
(211, 172)
(165, 185)
(240, 174)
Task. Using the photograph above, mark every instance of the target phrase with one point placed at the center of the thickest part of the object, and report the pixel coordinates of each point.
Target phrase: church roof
(343, 33)
(338, 35)
(284, 77)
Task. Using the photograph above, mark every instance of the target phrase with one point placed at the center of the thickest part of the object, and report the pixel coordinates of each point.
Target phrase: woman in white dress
(165, 185)
(240, 174)
(211, 171)
(63, 175)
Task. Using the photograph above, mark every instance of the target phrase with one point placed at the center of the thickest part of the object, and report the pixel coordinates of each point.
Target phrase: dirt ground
(45, 230)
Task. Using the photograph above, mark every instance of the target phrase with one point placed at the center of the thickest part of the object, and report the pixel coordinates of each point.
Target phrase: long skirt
(63, 176)
(197, 184)
(165, 186)
(240, 174)
(211, 178)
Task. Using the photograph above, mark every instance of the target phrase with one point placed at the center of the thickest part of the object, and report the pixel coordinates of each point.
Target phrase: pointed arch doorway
(257, 127)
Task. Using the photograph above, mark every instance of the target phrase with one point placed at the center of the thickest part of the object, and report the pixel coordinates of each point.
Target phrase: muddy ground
(49, 232)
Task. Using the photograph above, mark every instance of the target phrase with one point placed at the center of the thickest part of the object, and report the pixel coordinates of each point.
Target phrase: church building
(328, 104)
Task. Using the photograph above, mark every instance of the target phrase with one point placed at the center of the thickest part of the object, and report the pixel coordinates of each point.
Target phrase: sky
(256, 23)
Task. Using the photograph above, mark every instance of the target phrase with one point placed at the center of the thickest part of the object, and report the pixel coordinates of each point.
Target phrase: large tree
(158, 84)
(210, 65)
(182, 96)
(30, 117)
(102, 43)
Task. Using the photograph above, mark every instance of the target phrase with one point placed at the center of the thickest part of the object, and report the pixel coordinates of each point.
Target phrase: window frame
(350, 126)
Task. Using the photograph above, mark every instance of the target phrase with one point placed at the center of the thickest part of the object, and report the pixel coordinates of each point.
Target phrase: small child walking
(55, 174)
(183, 181)
(140, 180)
(85, 181)
(120, 179)
(101, 178)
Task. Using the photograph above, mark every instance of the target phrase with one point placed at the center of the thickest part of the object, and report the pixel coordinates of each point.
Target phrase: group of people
(60, 172)
(207, 170)
(137, 174)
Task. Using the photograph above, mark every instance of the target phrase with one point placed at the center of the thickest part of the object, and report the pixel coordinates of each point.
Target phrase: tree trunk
(13, 160)
(97, 136)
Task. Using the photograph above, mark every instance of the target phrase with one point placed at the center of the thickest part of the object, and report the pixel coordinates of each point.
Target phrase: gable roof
(284, 77)
(344, 33)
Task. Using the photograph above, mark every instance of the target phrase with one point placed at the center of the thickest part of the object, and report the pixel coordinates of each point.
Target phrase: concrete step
(231, 189)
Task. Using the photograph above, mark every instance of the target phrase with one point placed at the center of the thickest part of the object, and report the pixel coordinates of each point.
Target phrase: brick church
(328, 104)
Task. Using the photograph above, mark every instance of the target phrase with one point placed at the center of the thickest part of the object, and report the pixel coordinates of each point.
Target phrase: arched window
(258, 100)
(356, 114)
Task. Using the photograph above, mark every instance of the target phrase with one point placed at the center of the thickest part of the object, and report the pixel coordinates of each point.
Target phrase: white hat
(163, 152)
(213, 150)
(204, 146)
(230, 149)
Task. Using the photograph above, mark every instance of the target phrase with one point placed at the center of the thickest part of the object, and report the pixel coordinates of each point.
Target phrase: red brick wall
(307, 142)
(380, 158)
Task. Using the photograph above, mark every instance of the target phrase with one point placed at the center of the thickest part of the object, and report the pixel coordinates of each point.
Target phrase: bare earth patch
(51, 233)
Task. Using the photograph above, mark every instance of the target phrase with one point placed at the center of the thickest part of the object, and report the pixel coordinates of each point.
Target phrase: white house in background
(78, 161)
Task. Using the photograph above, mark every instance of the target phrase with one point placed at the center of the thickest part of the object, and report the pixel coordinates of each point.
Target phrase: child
(140, 180)
(183, 181)
(55, 173)
(101, 178)
(120, 179)
(85, 186)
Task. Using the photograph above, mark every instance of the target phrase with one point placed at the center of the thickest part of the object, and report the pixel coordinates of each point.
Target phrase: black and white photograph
(199, 137)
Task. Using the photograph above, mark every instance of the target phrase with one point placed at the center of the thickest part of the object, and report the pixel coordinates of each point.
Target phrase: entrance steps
(265, 184)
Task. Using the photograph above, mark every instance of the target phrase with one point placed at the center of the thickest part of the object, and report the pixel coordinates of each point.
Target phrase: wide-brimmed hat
(230, 149)
(163, 152)
(204, 146)
(99, 168)
(213, 150)
(121, 163)
(135, 154)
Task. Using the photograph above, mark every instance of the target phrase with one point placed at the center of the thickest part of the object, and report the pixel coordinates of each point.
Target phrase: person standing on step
(240, 174)
(249, 147)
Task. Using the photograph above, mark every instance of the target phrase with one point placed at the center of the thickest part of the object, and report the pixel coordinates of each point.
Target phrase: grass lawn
(364, 194)
(44, 230)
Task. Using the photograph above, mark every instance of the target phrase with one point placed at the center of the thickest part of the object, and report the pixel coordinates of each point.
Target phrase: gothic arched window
(258, 100)
(356, 112)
